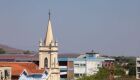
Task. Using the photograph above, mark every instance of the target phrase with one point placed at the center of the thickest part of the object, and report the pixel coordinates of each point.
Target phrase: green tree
(119, 70)
(132, 69)
(103, 74)
(27, 52)
(2, 51)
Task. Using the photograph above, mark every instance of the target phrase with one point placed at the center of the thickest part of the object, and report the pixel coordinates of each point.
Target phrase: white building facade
(86, 67)
(88, 64)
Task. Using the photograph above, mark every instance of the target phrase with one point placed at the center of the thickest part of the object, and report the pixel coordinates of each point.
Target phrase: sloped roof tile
(18, 67)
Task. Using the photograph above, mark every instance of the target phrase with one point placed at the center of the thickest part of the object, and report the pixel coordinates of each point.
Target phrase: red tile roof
(18, 67)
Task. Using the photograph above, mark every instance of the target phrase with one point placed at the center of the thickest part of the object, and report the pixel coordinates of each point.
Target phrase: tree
(2, 51)
(119, 70)
(103, 74)
(27, 52)
(132, 69)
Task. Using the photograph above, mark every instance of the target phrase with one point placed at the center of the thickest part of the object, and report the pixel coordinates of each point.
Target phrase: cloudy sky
(111, 27)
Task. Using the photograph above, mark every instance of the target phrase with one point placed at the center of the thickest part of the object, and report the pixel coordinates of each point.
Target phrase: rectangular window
(82, 65)
(90, 55)
(138, 62)
(76, 65)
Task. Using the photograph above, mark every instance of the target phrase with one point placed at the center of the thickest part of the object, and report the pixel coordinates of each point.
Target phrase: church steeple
(48, 54)
(49, 35)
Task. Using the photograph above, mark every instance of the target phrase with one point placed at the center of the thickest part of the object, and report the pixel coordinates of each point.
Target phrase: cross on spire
(49, 15)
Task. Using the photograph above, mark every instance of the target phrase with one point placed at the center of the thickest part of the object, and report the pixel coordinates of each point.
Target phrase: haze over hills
(12, 50)
(9, 49)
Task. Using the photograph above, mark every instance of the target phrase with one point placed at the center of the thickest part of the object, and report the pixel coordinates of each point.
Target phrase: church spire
(49, 34)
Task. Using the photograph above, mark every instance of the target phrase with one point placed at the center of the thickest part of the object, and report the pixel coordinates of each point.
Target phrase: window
(1, 75)
(63, 70)
(7, 74)
(82, 65)
(76, 65)
(139, 75)
(138, 62)
(90, 55)
(46, 62)
(81, 74)
(76, 75)
(98, 65)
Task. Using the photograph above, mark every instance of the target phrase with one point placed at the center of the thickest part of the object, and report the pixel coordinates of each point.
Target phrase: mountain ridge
(9, 49)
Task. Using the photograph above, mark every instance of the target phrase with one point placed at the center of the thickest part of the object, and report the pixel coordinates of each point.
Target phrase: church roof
(19, 67)
(49, 35)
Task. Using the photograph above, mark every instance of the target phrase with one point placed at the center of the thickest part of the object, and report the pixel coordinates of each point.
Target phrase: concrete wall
(70, 72)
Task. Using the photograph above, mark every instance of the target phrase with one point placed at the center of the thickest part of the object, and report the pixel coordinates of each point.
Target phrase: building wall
(87, 67)
(5, 73)
(70, 71)
(79, 67)
(51, 57)
(52, 62)
(93, 67)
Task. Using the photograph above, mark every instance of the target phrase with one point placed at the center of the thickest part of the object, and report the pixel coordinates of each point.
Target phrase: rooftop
(18, 67)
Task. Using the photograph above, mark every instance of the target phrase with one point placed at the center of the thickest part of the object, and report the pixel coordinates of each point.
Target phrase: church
(46, 68)
(48, 54)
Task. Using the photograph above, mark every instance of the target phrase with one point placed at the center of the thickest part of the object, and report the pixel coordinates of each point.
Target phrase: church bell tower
(48, 54)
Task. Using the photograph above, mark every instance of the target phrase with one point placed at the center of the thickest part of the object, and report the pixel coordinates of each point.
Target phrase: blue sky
(111, 27)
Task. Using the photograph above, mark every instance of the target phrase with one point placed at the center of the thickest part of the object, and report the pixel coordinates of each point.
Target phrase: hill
(9, 49)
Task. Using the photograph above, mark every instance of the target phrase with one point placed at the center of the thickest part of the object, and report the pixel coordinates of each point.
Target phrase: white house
(88, 64)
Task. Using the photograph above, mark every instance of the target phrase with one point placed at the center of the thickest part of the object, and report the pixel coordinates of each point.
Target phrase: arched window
(46, 62)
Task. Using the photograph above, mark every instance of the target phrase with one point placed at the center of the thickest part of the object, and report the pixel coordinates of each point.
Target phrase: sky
(110, 27)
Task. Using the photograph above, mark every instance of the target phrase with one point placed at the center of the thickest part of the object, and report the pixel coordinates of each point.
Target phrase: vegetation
(2, 51)
(27, 52)
(127, 63)
(101, 75)
(119, 71)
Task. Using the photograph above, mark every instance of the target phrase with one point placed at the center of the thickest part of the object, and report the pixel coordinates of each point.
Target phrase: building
(138, 68)
(84, 64)
(66, 68)
(5, 73)
(48, 54)
(41, 66)
(89, 64)
(22, 71)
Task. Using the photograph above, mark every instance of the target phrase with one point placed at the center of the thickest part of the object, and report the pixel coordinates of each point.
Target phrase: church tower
(48, 54)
